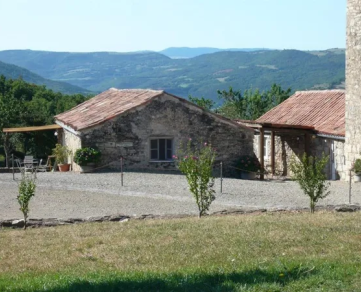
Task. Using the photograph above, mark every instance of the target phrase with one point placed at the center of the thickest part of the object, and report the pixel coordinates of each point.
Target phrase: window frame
(158, 148)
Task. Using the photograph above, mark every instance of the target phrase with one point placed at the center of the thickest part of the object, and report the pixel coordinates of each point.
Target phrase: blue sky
(132, 25)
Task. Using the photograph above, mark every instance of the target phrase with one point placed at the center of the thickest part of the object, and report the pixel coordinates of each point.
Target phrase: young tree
(197, 165)
(309, 173)
(26, 192)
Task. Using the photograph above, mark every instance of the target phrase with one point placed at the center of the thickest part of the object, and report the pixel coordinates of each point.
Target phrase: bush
(197, 165)
(249, 163)
(84, 156)
(356, 167)
(309, 173)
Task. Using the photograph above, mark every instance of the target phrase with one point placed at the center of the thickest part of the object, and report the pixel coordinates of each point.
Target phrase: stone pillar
(261, 152)
(353, 84)
(273, 168)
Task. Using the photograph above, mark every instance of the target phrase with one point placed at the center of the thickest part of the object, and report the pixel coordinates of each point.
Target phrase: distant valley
(199, 76)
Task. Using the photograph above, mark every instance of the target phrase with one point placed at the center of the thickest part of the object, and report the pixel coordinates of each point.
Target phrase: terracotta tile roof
(324, 110)
(114, 102)
(105, 106)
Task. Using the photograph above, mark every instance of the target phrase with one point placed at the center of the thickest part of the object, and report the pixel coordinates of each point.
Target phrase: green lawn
(267, 252)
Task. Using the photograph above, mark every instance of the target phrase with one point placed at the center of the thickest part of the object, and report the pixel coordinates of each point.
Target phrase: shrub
(61, 153)
(84, 156)
(309, 173)
(26, 192)
(356, 167)
(249, 163)
(197, 165)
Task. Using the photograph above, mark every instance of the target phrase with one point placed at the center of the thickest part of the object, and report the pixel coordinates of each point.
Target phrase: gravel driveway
(67, 195)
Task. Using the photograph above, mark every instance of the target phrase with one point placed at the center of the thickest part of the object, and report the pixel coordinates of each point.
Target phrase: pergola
(274, 129)
(8, 131)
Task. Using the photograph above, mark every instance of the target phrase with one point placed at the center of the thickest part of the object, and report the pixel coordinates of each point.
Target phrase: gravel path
(72, 195)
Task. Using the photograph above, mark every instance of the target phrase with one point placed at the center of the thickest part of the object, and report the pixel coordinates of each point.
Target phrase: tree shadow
(193, 282)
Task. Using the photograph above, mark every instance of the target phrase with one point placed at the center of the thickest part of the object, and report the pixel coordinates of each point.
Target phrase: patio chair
(19, 164)
(43, 167)
(29, 163)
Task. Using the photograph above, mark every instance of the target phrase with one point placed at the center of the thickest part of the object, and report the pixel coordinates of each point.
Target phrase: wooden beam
(290, 131)
(261, 152)
(31, 129)
(273, 152)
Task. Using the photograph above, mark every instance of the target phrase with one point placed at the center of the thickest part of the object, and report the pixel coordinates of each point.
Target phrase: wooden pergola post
(273, 152)
(261, 152)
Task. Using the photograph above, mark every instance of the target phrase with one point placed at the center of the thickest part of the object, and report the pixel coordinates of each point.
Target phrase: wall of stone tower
(353, 82)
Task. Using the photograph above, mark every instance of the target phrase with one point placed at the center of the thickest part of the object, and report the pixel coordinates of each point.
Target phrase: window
(161, 149)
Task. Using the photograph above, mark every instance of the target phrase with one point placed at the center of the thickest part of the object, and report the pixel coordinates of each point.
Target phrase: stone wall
(166, 117)
(353, 82)
(73, 142)
(289, 145)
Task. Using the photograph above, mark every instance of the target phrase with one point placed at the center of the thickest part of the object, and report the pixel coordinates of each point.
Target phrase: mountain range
(14, 72)
(199, 76)
(185, 52)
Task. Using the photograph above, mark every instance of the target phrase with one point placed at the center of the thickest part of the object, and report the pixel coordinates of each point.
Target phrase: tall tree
(252, 104)
(205, 103)
(26, 104)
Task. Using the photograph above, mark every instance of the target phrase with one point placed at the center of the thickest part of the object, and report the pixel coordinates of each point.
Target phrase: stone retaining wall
(52, 222)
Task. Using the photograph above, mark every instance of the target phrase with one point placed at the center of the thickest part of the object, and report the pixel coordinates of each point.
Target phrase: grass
(268, 252)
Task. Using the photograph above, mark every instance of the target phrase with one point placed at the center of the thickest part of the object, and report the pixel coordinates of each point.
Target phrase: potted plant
(86, 158)
(61, 153)
(356, 168)
(249, 166)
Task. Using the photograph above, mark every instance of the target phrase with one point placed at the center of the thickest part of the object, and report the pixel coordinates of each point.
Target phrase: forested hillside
(14, 72)
(25, 104)
(198, 76)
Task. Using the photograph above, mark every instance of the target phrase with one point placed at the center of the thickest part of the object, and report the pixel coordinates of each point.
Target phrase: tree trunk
(25, 221)
(312, 207)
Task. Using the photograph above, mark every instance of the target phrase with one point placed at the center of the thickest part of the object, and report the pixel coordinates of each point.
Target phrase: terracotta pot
(64, 167)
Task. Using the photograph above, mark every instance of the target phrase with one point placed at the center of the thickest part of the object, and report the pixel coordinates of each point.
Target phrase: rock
(72, 220)
(124, 220)
(6, 223)
(118, 217)
(347, 208)
(50, 223)
(35, 222)
(18, 223)
(95, 219)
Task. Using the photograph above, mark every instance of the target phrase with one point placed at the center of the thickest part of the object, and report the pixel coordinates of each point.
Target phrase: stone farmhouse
(311, 122)
(146, 127)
